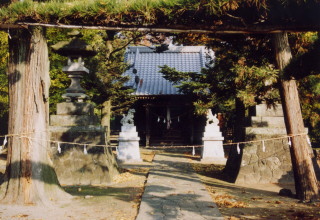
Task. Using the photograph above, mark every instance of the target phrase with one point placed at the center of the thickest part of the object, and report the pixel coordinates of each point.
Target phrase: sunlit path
(174, 191)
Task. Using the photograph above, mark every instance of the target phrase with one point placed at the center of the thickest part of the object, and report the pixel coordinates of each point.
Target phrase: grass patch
(102, 12)
(89, 190)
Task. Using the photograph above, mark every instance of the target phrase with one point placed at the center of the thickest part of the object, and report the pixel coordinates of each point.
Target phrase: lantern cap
(74, 47)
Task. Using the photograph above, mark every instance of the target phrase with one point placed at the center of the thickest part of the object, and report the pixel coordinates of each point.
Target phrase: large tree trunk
(305, 178)
(29, 177)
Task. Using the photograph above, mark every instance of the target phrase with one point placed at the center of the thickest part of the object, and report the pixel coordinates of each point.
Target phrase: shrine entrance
(168, 121)
(167, 125)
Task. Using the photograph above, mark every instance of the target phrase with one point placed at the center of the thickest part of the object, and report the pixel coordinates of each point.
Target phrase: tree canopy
(167, 15)
(104, 82)
(243, 68)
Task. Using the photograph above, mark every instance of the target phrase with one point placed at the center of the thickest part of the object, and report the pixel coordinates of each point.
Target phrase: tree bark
(305, 178)
(106, 117)
(29, 177)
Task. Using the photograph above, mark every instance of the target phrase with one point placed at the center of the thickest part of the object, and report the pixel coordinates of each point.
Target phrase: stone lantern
(78, 160)
(75, 49)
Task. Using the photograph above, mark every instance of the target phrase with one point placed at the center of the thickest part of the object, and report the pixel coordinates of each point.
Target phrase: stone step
(250, 131)
(263, 110)
(166, 142)
(267, 121)
(82, 137)
(90, 134)
(167, 138)
(88, 128)
(73, 120)
(74, 108)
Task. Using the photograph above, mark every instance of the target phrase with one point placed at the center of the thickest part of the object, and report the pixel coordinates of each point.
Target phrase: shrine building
(164, 116)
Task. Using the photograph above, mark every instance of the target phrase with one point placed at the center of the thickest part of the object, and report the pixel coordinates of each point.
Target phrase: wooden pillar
(305, 178)
(147, 125)
(30, 177)
(190, 120)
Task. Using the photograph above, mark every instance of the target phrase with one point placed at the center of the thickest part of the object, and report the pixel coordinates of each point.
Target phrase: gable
(145, 62)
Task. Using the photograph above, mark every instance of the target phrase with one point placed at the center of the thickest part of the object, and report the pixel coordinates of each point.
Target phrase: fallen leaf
(255, 198)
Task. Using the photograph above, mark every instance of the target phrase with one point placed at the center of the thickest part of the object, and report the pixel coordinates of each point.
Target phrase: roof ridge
(171, 49)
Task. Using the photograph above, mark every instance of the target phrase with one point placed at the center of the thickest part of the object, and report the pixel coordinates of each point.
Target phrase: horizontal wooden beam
(12, 26)
(175, 28)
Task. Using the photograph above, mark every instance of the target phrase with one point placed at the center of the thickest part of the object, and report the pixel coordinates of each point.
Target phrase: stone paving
(174, 191)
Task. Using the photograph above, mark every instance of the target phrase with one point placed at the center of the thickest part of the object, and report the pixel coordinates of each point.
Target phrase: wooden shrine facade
(167, 120)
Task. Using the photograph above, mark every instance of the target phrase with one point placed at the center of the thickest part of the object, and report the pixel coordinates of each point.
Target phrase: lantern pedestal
(75, 129)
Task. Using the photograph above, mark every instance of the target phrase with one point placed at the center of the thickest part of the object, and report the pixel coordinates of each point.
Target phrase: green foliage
(305, 67)
(243, 70)
(237, 74)
(245, 66)
(59, 80)
(306, 59)
(4, 102)
(309, 89)
(104, 82)
(108, 67)
(193, 84)
(255, 83)
(63, 10)
(215, 13)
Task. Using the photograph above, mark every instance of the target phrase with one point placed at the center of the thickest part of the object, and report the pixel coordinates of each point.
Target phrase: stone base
(73, 167)
(270, 166)
(78, 134)
(268, 161)
(128, 150)
(75, 108)
(73, 120)
(213, 150)
(76, 123)
(130, 161)
(74, 114)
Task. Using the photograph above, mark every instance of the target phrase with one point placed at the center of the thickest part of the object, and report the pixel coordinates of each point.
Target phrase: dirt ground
(120, 200)
(117, 201)
(259, 201)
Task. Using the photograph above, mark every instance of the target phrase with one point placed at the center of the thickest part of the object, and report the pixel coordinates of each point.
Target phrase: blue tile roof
(150, 81)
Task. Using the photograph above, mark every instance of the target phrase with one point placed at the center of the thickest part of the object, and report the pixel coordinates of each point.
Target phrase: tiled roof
(148, 80)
